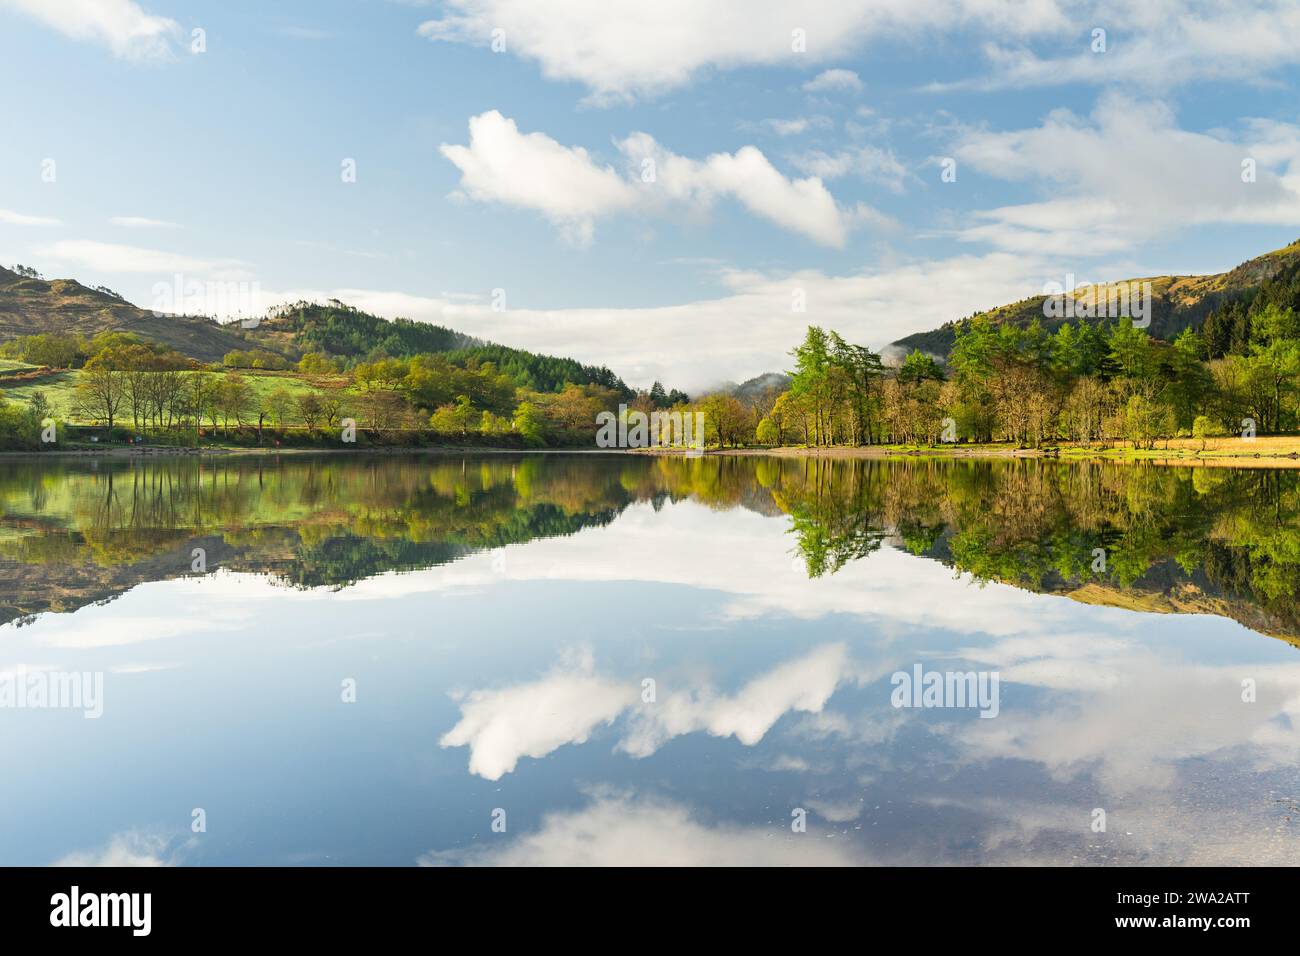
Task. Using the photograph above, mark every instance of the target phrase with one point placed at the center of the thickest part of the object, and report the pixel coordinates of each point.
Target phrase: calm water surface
(640, 661)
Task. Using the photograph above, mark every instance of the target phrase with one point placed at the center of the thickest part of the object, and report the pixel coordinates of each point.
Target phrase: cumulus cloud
(834, 81)
(132, 848)
(804, 206)
(1104, 687)
(533, 171)
(789, 127)
(628, 49)
(745, 330)
(871, 163)
(624, 830)
(1156, 46)
(621, 51)
(1103, 200)
(804, 685)
(535, 718)
(121, 25)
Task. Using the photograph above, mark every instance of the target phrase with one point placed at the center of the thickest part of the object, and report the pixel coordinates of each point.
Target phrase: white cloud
(871, 163)
(19, 219)
(1127, 174)
(1106, 687)
(621, 50)
(838, 811)
(623, 830)
(140, 222)
(115, 257)
(878, 591)
(804, 206)
(748, 330)
(121, 25)
(132, 848)
(804, 684)
(76, 631)
(533, 171)
(1157, 46)
(142, 668)
(789, 127)
(834, 81)
(535, 718)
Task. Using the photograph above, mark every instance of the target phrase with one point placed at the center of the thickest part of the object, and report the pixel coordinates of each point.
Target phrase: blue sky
(780, 175)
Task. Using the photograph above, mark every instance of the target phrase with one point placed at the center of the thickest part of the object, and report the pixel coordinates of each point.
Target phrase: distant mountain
(759, 384)
(749, 389)
(1178, 302)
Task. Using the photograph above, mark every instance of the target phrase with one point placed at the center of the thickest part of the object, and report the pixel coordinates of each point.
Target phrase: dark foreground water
(611, 659)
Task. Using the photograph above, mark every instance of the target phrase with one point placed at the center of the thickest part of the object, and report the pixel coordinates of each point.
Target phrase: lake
(624, 659)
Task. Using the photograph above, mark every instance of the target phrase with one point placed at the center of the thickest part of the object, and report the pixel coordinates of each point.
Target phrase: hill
(757, 386)
(337, 329)
(341, 330)
(1178, 302)
(31, 306)
(749, 390)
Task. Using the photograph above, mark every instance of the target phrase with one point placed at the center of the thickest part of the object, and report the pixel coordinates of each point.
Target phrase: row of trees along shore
(122, 381)
(1084, 383)
(1099, 383)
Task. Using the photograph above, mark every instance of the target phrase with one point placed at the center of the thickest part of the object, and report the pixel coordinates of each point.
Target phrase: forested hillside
(1179, 302)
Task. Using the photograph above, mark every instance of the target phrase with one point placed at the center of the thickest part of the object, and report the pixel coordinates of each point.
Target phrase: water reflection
(652, 660)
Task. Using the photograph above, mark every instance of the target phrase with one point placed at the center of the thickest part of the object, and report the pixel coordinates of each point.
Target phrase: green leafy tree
(920, 367)
(529, 423)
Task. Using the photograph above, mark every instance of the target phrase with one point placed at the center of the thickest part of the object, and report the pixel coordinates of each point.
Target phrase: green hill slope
(342, 330)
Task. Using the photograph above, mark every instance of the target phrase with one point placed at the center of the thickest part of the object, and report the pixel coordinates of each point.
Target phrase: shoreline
(1275, 452)
(234, 451)
(1170, 456)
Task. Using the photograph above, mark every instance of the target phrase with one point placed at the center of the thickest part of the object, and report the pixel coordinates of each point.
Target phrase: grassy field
(264, 383)
(1262, 446)
(59, 388)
